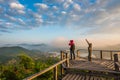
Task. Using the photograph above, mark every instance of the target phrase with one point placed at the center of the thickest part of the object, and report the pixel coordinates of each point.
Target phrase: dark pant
(72, 54)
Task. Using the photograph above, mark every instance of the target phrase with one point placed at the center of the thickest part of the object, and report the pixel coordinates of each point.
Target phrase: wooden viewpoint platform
(84, 68)
(95, 65)
(94, 69)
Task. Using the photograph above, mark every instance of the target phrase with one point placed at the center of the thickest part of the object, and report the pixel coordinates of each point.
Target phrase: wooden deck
(95, 65)
(72, 76)
(96, 69)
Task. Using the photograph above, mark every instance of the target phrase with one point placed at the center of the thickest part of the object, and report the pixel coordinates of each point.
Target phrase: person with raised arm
(72, 49)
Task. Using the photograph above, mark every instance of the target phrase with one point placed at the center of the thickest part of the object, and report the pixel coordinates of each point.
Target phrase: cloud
(41, 6)
(14, 5)
(63, 13)
(77, 7)
(55, 8)
(17, 7)
(95, 16)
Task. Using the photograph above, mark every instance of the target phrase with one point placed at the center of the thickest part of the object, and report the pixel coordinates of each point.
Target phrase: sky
(58, 21)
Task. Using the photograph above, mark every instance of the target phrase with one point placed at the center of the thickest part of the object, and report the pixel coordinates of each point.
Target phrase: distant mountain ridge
(39, 47)
(34, 50)
(8, 53)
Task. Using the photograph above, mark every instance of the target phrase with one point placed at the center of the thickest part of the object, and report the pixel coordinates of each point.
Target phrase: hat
(71, 40)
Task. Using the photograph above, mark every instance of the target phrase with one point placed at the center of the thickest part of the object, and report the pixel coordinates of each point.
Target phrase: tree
(26, 61)
(9, 75)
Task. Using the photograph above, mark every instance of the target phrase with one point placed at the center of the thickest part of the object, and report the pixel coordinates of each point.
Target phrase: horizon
(56, 22)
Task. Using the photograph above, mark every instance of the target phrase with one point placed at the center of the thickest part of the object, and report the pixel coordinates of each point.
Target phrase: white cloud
(76, 7)
(41, 5)
(64, 13)
(60, 1)
(21, 12)
(55, 7)
(8, 24)
(21, 21)
(37, 15)
(38, 18)
(14, 5)
(96, 16)
(69, 1)
(10, 17)
(66, 5)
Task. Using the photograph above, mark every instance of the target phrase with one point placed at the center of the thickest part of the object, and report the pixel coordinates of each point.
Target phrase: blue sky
(58, 21)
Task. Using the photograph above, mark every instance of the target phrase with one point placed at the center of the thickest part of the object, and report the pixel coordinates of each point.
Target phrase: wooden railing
(111, 52)
(64, 59)
(112, 55)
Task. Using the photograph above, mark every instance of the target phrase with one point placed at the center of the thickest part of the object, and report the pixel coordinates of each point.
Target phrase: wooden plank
(73, 77)
(96, 70)
(69, 77)
(87, 77)
(118, 64)
(81, 77)
(95, 78)
(76, 78)
(91, 78)
(66, 76)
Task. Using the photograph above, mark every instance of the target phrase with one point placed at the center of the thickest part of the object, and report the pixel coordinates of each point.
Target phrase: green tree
(26, 61)
(9, 75)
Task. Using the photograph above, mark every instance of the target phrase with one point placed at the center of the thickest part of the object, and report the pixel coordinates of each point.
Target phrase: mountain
(8, 53)
(40, 47)
(36, 47)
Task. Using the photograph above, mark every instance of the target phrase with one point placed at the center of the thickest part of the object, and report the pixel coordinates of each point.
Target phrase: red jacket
(72, 45)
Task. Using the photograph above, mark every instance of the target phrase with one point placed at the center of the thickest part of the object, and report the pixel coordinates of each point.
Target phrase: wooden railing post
(111, 54)
(61, 55)
(55, 73)
(78, 53)
(101, 56)
(67, 61)
(61, 67)
(90, 52)
(116, 60)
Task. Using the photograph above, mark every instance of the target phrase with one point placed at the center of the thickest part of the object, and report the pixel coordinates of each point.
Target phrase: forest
(24, 66)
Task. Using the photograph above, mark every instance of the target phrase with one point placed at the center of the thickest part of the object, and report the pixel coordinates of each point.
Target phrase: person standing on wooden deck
(72, 49)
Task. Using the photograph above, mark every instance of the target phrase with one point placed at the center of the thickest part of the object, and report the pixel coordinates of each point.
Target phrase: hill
(8, 53)
(36, 47)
